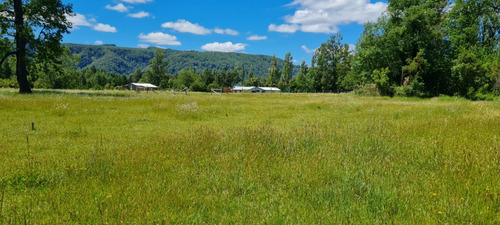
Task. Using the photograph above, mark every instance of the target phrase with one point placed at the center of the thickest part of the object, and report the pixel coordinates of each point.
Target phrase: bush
(382, 81)
(414, 88)
(8, 83)
(367, 90)
(198, 85)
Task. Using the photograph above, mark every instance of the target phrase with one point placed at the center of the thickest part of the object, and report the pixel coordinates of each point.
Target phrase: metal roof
(240, 88)
(145, 85)
(270, 88)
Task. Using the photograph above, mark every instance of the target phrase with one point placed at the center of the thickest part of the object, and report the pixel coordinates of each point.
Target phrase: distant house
(143, 87)
(241, 89)
(265, 89)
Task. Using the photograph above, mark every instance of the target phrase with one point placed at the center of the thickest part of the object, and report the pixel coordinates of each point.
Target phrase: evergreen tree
(329, 60)
(157, 72)
(250, 73)
(242, 74)
(136, 76)
(302, 82)
(274, 73)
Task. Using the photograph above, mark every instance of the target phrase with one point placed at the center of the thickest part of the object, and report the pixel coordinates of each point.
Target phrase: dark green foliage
(254, 81)
(157, 70)
(126, 60)
(136, 76)
(302, 83)
(274, 73)
(32, 31)
(430, 47)
(331, 63)
(286, 75)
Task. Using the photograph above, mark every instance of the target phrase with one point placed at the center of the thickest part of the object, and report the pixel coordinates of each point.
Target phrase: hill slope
(126, 60)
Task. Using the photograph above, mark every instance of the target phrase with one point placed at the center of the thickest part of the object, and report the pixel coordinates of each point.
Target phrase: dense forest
(418, 48)
(125, 61)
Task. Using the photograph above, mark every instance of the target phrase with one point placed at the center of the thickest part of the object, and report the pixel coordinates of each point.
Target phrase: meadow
(113, 157)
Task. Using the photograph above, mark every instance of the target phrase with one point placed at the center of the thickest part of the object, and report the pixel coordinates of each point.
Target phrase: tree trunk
(21, 41)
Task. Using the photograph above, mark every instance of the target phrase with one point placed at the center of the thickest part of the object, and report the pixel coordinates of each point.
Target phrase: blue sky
(264, 27)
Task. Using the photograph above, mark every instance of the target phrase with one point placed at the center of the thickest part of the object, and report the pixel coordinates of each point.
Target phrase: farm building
(241, 89)
(143, 86)
(265, 89)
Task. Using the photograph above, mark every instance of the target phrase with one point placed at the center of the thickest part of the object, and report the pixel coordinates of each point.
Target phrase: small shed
(143, 86)
(241, 89)
(265, 89)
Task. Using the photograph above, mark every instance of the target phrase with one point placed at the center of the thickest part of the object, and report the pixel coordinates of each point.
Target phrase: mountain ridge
(125, 60)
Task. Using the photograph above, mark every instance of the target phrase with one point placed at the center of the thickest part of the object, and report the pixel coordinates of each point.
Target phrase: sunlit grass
(122, 157)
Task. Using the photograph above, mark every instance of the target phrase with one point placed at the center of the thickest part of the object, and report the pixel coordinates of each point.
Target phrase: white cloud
(226, 31)
(119, 8)
(143, 46)
(105, 28)
(223, 47)
(352, 47)
(139, 15)
(98, 42)
(78, 20)
(187, 27)
(137, 1)
(284, 28)
(307, 50)
(256, 38)
(324, 16)
(159, 38)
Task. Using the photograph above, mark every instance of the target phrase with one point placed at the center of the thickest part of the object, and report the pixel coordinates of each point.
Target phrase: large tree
(474, 32)
(157, 73)
(331, 62)
(407, 41)
(29, 27)
(274, 73)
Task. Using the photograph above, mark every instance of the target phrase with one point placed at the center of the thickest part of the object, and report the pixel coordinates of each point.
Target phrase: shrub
(367, 90)
(382, 81)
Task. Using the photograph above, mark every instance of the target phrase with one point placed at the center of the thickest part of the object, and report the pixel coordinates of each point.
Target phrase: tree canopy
(32, 31)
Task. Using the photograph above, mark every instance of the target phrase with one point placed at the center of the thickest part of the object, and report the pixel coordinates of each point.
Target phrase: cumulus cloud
(284, 28)
(137, 1)
(105, 28)
(78, 20)
(98, 42)
(119, 8)
(223, 47)
(324, 16)
(226, 31)
(159, 38)
(256, 38)
(186, 27)
(139, 15)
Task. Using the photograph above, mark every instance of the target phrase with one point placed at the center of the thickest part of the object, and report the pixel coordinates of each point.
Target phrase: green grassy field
(158, 158)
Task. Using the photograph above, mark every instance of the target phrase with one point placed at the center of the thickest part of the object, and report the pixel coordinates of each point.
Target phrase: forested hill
(126, 60)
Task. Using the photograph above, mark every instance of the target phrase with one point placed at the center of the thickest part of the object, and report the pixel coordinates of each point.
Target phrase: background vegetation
(418, 48)
(126, 61)
(120, 157)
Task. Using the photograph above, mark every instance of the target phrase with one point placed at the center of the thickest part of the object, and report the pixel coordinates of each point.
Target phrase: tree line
(416, 48)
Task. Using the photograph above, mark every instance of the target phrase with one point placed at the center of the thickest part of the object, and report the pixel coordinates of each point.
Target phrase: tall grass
(153, 158)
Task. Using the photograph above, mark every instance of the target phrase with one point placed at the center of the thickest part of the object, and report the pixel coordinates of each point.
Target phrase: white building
(241, 89)
(265, 89)
(143, 86)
